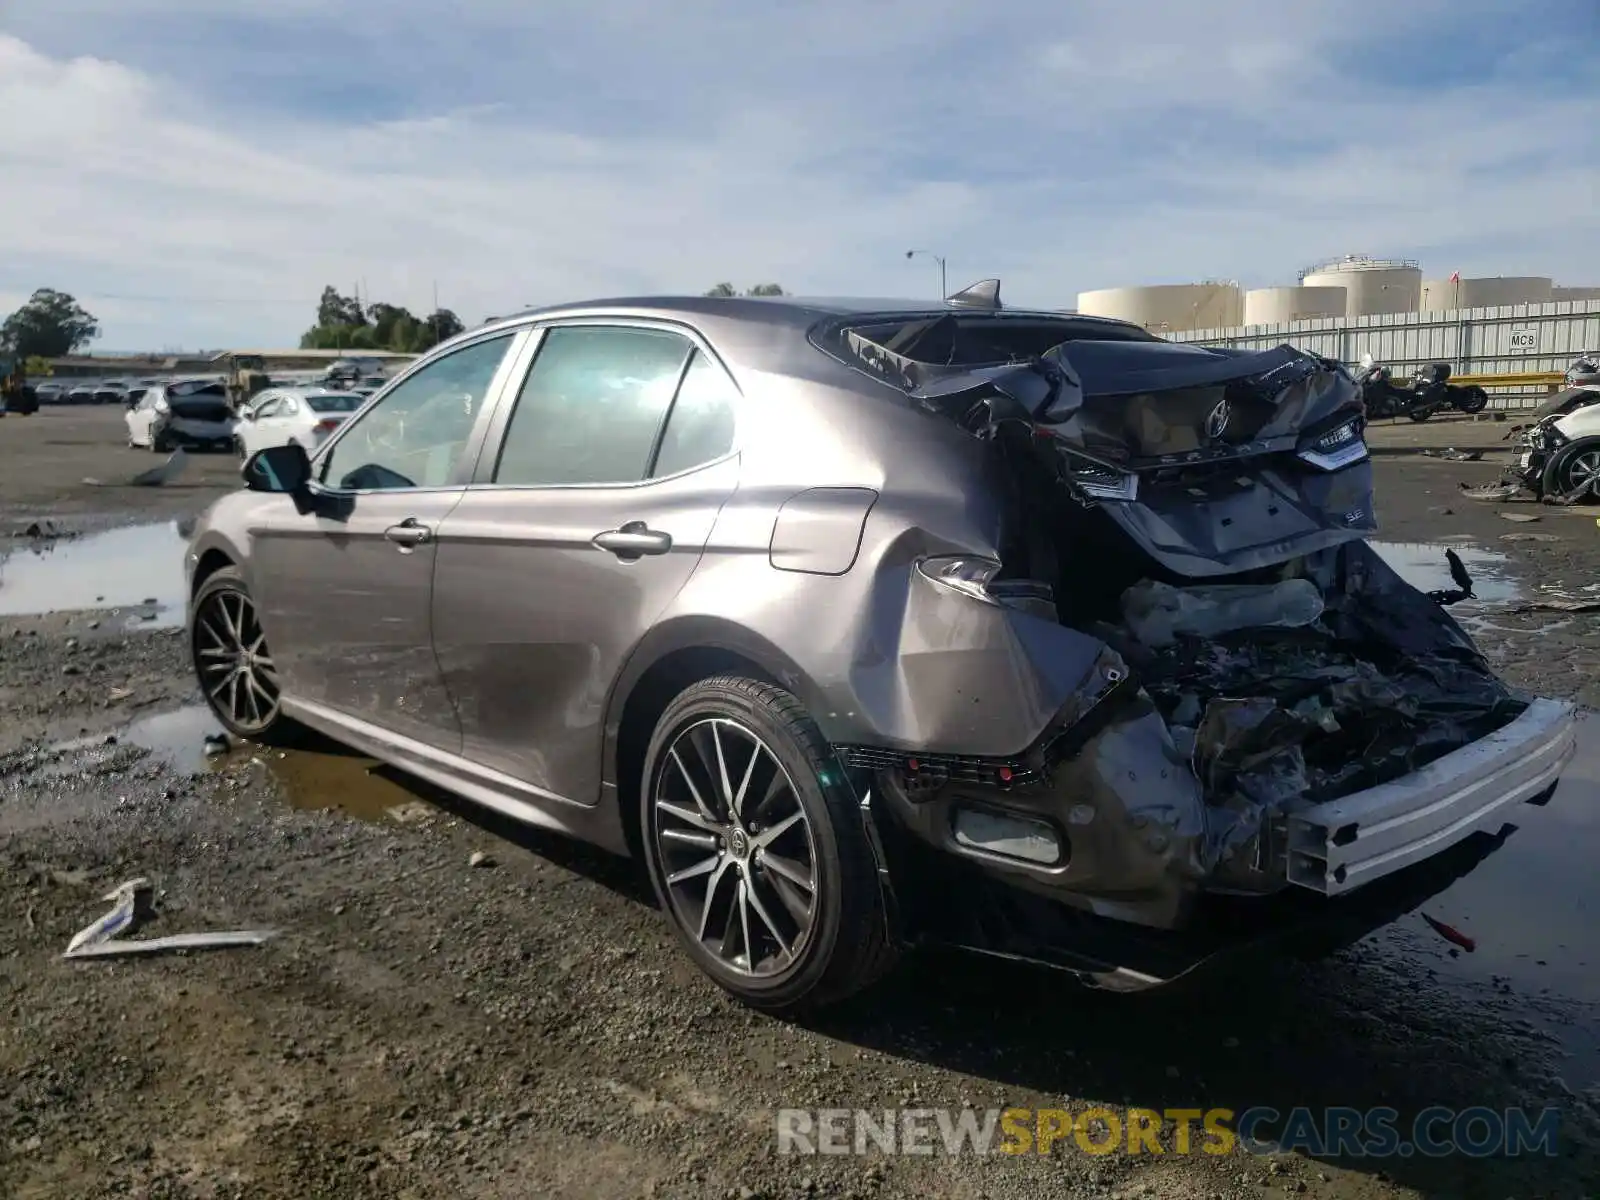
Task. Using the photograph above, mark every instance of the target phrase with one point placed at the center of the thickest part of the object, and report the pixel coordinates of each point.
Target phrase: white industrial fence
(1475, 341)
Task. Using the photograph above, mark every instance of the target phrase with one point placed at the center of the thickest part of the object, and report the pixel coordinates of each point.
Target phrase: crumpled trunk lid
(1199, 455)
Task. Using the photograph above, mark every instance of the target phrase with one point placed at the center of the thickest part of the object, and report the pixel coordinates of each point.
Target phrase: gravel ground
(527, 1026)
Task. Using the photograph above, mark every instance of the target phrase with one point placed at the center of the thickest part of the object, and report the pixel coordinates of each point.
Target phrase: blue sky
(196, 170)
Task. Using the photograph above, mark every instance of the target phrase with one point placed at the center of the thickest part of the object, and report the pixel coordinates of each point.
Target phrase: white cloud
(1061, 147)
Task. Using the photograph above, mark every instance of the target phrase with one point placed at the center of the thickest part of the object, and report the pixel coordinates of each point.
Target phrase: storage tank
(1440, 295)
(1372, 285)
(1278, 305)
(1169, 307)
(1575, 293)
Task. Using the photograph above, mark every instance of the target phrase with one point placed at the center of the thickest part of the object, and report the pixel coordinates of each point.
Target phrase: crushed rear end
(1267, 728)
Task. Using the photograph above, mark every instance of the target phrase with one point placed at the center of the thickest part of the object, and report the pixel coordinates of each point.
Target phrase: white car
(298, 416)
(163, 421)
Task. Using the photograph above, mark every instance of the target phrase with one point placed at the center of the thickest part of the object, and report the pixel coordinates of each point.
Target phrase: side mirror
(285, 470)
(249, 414)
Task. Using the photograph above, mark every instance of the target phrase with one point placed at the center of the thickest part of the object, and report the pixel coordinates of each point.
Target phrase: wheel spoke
(799, 906)
(706, 841)
(699, 800)
(772, 833)
(704, 867)
(776, 786)
(744, 784)
(766, 919)
(744, 924)
(722, 770)
(789, 869)
(687, 816)
(711, 892)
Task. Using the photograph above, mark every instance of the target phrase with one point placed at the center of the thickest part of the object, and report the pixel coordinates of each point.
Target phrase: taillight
(327, 427)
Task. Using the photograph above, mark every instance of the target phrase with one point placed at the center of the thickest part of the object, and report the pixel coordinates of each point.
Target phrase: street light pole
(944, 289)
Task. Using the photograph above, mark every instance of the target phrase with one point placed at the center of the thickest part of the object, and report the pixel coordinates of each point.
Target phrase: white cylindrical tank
(1575, 293)
(1170, 307)
(1440, 295)
(1279, 305)
(1372, 285)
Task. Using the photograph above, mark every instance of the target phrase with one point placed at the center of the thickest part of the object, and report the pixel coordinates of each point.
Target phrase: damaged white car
(870, 624)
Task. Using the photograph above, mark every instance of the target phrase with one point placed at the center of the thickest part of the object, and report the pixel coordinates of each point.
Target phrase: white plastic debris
(1157, 612)
(130, 903)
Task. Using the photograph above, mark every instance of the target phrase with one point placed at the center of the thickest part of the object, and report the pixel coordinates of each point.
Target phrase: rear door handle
(410, 532)
(634, 539)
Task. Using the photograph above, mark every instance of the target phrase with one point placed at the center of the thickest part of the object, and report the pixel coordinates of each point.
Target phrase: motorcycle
(1584, 371)
(1428, 391)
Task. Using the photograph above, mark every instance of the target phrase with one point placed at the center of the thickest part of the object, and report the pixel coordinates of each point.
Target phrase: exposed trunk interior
(1284, 686)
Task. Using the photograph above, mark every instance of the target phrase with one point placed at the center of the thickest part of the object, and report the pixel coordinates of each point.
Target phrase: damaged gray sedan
(870, 624)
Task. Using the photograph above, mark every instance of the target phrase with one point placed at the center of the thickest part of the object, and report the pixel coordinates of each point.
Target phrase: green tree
(49, 325)
(342, 324)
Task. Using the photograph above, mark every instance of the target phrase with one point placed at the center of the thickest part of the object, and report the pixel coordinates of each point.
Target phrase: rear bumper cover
(1393, 845)
(1338, 846)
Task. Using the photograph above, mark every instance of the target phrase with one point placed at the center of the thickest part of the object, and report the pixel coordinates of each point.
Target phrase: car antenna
(983, 294)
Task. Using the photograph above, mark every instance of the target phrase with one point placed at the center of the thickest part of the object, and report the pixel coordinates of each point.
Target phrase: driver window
(414, 436)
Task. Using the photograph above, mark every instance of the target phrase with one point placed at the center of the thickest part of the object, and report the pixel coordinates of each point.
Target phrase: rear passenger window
(700, 426)
(592, 405)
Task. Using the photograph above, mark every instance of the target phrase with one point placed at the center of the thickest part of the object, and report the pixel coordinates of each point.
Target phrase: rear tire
(775, 897)
(1419, 414)
(232, 661)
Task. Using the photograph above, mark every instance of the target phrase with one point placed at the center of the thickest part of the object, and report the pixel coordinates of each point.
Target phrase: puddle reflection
(1423, 565)
(140, 567)
(1533, 908)
(317, 773)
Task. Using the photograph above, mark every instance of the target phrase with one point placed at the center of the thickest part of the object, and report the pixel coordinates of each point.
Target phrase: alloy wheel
(232, 660)
(1583, 471)
(735, 848)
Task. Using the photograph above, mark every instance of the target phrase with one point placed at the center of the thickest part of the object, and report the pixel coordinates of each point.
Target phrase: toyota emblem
(1217, 422)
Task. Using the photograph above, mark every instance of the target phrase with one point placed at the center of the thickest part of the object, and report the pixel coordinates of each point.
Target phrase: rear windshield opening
(335, 404)
(979, 339)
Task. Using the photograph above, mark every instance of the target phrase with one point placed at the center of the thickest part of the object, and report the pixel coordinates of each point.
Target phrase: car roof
(303, 393)
(799, 311)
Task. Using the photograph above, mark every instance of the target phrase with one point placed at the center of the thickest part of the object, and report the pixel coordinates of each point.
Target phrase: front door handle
(634, 539)
(410, 532)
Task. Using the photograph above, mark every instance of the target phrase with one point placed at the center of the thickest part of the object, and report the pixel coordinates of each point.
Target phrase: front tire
(1574, 466)
(231, 660)
(756, 850)
(1419, 414)
(1475, 400)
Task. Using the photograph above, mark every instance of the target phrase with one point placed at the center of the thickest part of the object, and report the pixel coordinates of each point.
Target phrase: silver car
(868, 624)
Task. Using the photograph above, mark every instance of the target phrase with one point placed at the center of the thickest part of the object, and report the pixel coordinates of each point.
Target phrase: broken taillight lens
(1338, 448)
(324, 428)
(967, 574)
(1101, 480)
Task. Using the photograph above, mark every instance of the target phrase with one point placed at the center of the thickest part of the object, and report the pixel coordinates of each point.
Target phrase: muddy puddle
(320, 774)
(1423, 565)
(1533, 910)
(137, 570)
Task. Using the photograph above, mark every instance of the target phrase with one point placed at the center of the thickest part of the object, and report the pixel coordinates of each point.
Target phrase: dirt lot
(527, 1027)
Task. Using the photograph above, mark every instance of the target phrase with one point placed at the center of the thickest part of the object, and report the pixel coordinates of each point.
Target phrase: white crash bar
(1338, 846)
